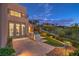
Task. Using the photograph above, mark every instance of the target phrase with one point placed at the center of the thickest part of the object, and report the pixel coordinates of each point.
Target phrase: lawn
(53, 42)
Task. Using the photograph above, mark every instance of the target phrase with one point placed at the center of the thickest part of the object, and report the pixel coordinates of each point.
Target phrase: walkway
(27, 47)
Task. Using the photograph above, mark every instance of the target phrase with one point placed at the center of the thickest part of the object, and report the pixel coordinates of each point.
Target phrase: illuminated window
(11, 29)
(30, 30)
(14, 13)
(19, 14)
(23, 29)
(17, 29)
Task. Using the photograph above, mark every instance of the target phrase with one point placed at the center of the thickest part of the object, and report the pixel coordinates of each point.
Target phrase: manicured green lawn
(53, 42)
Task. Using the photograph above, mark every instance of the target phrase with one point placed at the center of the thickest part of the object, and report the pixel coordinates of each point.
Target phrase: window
(30, 30)
(14, 13)
(11, 29)
(23, 29)
(17, 29)
(19, 14)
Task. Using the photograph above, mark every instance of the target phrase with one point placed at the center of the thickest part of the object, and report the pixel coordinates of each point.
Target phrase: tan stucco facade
(5, 18)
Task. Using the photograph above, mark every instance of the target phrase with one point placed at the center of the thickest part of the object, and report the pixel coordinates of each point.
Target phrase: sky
(58, 13)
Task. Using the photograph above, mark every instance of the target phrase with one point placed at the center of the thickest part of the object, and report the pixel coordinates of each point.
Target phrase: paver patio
(28, 47)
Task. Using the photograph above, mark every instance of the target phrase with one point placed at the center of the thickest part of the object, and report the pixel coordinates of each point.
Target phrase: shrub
(76, 53)
(7, 51)
(43, 34)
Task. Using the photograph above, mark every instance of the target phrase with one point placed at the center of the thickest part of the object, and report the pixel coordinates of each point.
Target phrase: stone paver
(27, 47)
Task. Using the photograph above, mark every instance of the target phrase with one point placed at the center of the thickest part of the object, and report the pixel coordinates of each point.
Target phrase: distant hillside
(59, 22)
(62, 22)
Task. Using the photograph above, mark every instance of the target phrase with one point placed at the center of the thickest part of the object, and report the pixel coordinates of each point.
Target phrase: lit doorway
(11, 29)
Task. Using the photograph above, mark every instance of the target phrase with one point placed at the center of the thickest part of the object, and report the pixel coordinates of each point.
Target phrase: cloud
(46, 10)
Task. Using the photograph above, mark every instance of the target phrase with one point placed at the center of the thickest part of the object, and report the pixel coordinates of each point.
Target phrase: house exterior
(13, 22)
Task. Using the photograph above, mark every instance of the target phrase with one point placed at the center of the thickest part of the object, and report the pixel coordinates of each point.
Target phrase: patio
(28, 47)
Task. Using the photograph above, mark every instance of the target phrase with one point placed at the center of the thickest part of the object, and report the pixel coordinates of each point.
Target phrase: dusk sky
(59, 13)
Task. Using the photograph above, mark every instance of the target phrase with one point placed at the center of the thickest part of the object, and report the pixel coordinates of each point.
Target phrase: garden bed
(53, 42)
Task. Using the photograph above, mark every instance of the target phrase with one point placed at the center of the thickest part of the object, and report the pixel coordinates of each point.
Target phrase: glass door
(17, 29)
(11, 29)
(23, 28)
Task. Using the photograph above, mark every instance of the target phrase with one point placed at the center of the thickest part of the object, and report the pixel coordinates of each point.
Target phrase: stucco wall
(3, 25)
(5, 18)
